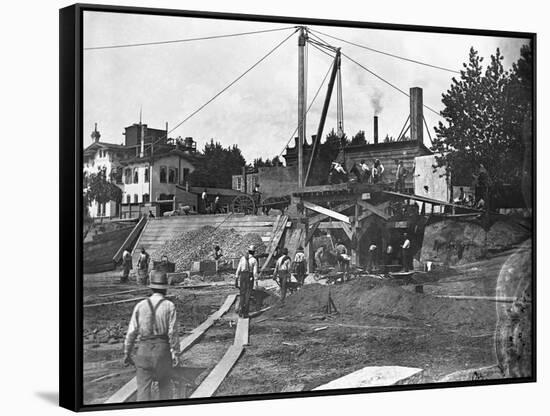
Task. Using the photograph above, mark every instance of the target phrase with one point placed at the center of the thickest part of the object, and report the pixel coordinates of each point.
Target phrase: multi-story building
(149, 168)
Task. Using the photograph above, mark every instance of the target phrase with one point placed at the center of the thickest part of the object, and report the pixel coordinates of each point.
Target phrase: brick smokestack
(417, 117)
(375, 133)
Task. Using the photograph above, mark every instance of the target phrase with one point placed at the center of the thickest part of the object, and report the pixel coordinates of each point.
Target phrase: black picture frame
(70, 215)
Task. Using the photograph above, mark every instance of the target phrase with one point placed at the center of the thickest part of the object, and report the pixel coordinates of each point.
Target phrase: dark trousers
(400, 185)
(284, 277)
(125, 273)
(153, 363)
(406, 259)
(301, 272)
(246, 281)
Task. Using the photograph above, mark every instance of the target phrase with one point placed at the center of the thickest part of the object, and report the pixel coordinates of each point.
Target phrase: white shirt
(141, 323)
(299, 257)
(252, 266)
(372, 247)
(283, 263)
(203, 195)
(406, 244)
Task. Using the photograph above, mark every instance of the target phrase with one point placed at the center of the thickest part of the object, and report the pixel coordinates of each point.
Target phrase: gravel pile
(199, 245)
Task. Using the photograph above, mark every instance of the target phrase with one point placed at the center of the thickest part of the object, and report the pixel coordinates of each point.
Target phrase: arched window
(146, 176)
(145, 198)
(128, 199)
(163, 174)
(136, 176)
(135, 198)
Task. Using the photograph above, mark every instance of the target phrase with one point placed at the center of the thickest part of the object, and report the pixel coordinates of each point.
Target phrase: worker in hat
(282, 271)
(154, 320)
(126, 265)
(300, 265)
(246, 274)
(143, 267)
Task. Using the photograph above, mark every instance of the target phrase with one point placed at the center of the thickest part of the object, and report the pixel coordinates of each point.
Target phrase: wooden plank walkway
(375, 376)
(278, 229)
(128, 391)
(213, 381)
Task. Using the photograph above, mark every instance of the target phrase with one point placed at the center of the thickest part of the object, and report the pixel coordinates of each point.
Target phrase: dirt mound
(453, 242)
(199, 244)
(504, 234)
(362, 299)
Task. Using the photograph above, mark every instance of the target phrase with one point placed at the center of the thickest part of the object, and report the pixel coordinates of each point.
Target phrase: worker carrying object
(247, 272)
(365, 171)
(126, 265)
(342, 257)
(282, 271)
(300, 266)
(154, 321)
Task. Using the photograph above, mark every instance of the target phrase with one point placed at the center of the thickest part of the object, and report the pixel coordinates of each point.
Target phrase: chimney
(95, 134)
(142, 139)
(417, 117)
(375, 129)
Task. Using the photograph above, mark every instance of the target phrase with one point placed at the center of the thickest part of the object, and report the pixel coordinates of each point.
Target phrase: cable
(225, 88)
(389, 83)
(322, 50)
(309, 107)
(164, 42)
(388, 54)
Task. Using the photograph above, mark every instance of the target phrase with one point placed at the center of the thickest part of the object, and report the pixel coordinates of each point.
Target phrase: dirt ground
(297, 345)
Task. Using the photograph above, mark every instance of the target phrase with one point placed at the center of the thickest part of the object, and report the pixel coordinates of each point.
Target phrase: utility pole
(301, 105)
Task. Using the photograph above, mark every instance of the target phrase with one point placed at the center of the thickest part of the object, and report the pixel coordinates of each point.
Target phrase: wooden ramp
(128, 391)
(279, 227)
(374, 377)
(213, 381)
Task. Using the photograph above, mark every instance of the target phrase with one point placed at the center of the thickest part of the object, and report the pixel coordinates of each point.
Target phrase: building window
(145, 198)
(136, 176)
(163, 174)
(171, 175)
(185, 175)
(135, 198)
(176, 180)
(127, 175)
(146, 176)
(128, 199)
(239, 183)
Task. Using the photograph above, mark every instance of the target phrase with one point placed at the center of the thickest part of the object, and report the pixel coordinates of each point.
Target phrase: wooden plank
(128, 390)
(211, 383)
(375, 376)
(281, 226)
(374, 210)
(330, 225)
(432, 201)
(310, 232)
(327, 212)
(347, 229)
(339, 208)
(487, 298)
(113, 303)
(241, 334)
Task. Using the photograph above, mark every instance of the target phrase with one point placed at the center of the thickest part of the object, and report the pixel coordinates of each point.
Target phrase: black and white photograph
(271, 208)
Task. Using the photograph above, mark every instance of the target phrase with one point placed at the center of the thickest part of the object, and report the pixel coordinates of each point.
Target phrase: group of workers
(208, 206)
(154, 319)
(468, 200)
(371, 174)
(391, 255)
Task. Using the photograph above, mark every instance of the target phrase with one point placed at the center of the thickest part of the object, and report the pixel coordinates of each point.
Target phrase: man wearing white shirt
(154, 321)
(282, 271)
(247, 272)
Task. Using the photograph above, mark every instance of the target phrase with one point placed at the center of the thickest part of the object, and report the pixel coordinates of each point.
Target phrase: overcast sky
(259, 112)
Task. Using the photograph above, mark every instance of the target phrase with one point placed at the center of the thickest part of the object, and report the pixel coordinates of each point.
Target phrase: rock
(514, 325)
(451, 242)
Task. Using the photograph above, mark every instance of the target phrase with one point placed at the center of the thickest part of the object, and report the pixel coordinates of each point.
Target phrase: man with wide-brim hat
(246, 274)
(154, 320)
